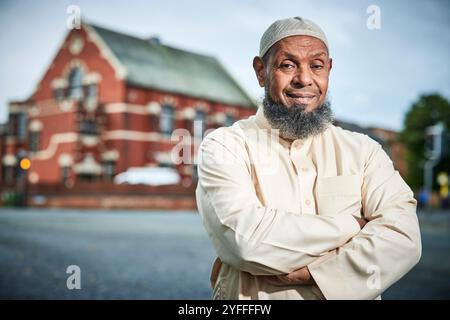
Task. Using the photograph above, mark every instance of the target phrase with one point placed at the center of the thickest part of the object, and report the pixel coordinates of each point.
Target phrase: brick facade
(117, 124)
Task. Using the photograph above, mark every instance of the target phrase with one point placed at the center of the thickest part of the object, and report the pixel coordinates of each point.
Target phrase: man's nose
(302, 77)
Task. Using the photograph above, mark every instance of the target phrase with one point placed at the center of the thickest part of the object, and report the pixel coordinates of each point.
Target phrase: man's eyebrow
(290, 56)
(318, 54)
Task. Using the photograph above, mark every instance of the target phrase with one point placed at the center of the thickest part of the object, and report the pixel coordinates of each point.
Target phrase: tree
(426, 111)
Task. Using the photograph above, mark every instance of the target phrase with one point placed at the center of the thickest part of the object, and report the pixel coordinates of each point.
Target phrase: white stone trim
(55, 140)
(65, 160)
(35, 125)
(132, 135)
(34, 111)
(188, 113)
(202, 106)
(59, 83)
(92, 78)
(110, 155)
(33, 177)
(90, 105)
(154, 108)
(106, 52)
(74, 63)
(232, 111)
(88, 165)
(16, 108)
(76, 45)
(168, 100)
(66, 106)
(88, 140)
(218, 117)
(9, 160)
(163, 157)
(125, 107)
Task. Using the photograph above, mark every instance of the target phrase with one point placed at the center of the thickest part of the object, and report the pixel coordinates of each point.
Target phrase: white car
(154, 176)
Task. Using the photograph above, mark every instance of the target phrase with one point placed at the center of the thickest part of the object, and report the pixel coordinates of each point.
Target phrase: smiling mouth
(301, 98)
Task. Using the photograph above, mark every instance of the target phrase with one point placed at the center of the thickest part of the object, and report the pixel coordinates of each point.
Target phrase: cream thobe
(271, 206)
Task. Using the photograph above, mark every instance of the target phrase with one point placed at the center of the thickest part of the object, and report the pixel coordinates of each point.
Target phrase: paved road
(151, 255)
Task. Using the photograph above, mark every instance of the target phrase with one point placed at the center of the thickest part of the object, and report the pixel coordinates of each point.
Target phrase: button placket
(306, 176)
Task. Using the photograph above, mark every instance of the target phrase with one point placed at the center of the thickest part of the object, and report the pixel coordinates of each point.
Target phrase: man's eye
(287, 66)
(317, 66)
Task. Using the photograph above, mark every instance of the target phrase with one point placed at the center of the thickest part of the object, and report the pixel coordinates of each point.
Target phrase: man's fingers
(298, 277)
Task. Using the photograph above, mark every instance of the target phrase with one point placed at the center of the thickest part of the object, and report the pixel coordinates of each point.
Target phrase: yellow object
(25, 164)
(443, 192)
(442, 179)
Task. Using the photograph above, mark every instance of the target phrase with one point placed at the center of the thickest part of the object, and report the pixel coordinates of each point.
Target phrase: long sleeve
(385, 249)
(249, 236)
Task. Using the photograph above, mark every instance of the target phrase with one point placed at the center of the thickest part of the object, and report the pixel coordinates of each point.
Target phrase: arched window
(229, 120)
(76, 83)
(199, 123)
(166, 122)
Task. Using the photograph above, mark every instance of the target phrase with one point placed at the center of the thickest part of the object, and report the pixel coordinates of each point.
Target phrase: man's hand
(297, 277)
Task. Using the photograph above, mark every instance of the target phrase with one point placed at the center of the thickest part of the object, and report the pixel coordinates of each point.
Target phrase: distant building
(110, 101)
(387, 138)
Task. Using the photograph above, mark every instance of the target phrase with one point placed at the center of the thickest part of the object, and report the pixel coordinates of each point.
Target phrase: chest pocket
(339, 195)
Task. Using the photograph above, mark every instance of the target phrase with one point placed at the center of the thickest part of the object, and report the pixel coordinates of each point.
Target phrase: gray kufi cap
(284, 28)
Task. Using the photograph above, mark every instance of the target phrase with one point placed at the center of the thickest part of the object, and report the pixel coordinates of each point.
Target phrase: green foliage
(427, 111)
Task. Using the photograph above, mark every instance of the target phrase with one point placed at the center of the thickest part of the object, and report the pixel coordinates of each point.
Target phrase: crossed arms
(335, 251)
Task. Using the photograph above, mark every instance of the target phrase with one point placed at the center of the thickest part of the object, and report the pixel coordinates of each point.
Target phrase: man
(297, 208)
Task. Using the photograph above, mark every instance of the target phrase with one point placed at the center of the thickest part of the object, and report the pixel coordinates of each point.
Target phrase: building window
(87, 177)
(65, 174)
(34, 141)
(229, 120)
(76, 84)
(166, 120)
(109, 170)
(22, 127)
(88, 127)
(194, 172)
(199, 124)
(8, 174)
(17, 125)
(58, 94)
(92, 91)
(10, 126)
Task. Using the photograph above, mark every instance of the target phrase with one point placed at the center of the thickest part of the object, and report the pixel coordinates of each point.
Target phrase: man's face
(295, 72)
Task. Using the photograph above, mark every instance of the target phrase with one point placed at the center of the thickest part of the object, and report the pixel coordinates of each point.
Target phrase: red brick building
(110, 101)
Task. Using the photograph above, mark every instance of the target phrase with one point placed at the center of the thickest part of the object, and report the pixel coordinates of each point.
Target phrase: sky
(377, 73)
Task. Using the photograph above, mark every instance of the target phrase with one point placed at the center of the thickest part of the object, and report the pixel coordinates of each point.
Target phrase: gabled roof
(150, 64)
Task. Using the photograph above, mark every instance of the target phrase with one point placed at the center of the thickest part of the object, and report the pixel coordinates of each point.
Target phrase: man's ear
(258, 66)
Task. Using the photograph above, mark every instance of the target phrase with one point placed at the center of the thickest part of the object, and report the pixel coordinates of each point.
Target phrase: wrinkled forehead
(298, 46)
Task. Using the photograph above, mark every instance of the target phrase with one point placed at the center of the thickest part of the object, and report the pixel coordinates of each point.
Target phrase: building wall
(127, 116)
(397, 150)
(92, 57)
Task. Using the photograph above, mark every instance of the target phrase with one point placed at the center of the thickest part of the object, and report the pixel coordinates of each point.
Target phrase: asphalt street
(153, 255)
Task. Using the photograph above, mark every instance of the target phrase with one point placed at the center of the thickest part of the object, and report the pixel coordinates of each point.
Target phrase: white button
(308, 202)
(304, 169)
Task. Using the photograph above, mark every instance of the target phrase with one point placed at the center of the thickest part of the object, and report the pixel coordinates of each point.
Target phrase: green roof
(151, 64)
